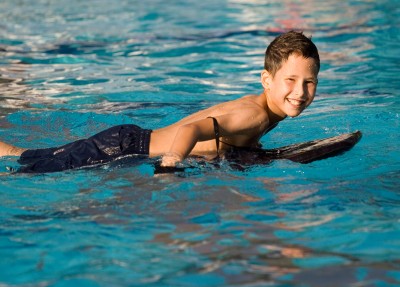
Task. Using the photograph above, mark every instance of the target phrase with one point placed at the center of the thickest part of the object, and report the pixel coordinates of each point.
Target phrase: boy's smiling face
(293, 87)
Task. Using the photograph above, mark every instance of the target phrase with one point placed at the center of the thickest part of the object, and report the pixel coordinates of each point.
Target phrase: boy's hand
(170, 159)
(168, 164)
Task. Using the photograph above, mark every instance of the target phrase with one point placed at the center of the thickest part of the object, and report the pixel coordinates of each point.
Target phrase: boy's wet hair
(285, 45)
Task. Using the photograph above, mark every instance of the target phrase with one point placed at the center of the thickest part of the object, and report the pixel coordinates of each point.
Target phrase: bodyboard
(304, 152)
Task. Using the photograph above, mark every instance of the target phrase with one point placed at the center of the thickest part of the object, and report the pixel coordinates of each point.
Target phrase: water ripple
(69, 70)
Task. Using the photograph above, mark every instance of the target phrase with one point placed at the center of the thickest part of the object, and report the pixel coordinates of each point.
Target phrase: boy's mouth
(296, 103)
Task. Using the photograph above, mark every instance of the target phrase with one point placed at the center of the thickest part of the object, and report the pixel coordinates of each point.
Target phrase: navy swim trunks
(103, 147)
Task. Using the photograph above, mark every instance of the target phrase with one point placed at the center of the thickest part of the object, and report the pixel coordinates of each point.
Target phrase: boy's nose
(300, 90)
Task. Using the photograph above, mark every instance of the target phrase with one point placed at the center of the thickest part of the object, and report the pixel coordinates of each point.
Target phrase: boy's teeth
(295, 102)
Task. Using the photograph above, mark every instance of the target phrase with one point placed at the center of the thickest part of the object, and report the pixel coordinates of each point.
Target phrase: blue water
(71, 68)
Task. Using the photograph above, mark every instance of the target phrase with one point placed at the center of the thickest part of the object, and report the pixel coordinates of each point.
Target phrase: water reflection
(224, 230)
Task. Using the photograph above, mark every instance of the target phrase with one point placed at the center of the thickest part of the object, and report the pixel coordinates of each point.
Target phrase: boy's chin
(294, 114)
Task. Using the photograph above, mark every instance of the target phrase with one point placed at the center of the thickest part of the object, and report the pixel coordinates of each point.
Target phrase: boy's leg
(10, 150)
(103, 147)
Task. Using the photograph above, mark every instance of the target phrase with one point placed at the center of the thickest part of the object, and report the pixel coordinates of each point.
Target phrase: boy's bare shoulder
(241, 109)
(248, 101)
(243, 117)
(245, 107)
(252, 103)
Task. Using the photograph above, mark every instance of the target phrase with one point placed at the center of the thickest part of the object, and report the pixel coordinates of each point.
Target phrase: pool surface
(71, 68)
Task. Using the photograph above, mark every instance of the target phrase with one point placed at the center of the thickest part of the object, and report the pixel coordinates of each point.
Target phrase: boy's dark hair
(285, 45)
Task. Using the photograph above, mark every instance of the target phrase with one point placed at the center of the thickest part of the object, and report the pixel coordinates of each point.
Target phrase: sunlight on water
(70, 69)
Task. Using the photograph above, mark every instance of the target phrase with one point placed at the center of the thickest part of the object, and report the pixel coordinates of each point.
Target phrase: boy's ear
(266, 78)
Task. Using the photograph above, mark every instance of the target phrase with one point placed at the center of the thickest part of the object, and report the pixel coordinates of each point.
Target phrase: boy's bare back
(241, 123)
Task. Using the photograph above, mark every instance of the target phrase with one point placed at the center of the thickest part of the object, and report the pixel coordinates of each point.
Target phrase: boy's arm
(188, 135)
(186, 138)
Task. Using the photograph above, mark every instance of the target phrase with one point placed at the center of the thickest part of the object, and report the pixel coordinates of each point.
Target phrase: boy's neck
(273, 117)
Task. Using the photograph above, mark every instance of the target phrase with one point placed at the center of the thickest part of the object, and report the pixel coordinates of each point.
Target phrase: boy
(289, 81)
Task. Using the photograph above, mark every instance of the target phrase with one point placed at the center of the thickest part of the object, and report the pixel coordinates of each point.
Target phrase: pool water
(71, 68)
